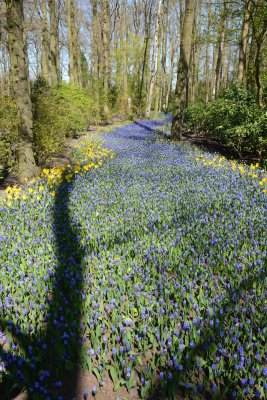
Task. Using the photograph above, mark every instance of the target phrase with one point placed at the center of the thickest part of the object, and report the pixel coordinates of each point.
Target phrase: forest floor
(138, 268)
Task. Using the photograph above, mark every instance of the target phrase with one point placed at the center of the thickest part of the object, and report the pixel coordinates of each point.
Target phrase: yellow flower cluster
(220, 162)
(91, 155)
(13, 192)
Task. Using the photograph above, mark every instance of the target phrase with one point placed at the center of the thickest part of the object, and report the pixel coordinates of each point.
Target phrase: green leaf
(113, 374)
(96, 372)
(117, 386)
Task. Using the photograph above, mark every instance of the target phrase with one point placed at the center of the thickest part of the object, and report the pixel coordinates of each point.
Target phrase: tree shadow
(186, 383)
(57, 348)
(151, 124)
(54, 349)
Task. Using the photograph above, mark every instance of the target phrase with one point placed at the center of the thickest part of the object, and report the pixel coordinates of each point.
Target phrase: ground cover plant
(148, 267)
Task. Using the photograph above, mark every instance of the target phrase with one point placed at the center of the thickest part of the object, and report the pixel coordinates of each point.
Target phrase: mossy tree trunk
(183, 70)
(20, 82)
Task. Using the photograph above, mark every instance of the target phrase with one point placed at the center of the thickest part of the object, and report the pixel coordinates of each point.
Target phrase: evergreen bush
(234, 119)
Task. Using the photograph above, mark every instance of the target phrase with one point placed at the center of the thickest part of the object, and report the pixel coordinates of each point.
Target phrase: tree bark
(123, 43)
(196, 48)
(259, 33)
(163, 81)
(207, 57)
(54, 44)
(106, 52)
(244, 42)
(45, 55)
(5, 71)
(183, 69)
(96, 51)
(74, 48)
(158, 74)
(154, 59)
(170, 77)
(20, 79)
(219, 50)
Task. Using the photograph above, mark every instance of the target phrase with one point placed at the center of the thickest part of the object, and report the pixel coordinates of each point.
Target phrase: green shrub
(59, 113)
(9, 120)
(234, 119)
(194, 115)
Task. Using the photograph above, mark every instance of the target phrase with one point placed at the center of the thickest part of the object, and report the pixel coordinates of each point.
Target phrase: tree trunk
(20, 80)
(244, 42)
(74, 48)
(213, 71)
(96, 52)
(45, 45)
(258, 60)
(219, 51)
(196, 49)
(170, 78)
(154, 59)
(54, 46)
(106, 52)
(143, 73)
(183, 69)
(123, 41)
(259, 32)
(207, 58)
(95, 43)
(5, 73)
(158, 75)
(164, 84)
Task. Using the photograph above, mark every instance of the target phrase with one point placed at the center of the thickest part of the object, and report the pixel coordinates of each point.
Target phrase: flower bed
(150, 270)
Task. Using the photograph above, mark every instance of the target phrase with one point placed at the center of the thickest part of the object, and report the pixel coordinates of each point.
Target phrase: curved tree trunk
(20, 82)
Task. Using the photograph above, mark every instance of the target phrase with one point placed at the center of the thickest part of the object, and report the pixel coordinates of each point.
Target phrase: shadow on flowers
(40, 360)
(197, 371)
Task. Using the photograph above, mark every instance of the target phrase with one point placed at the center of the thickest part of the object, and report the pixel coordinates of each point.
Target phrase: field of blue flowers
(150, 270)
